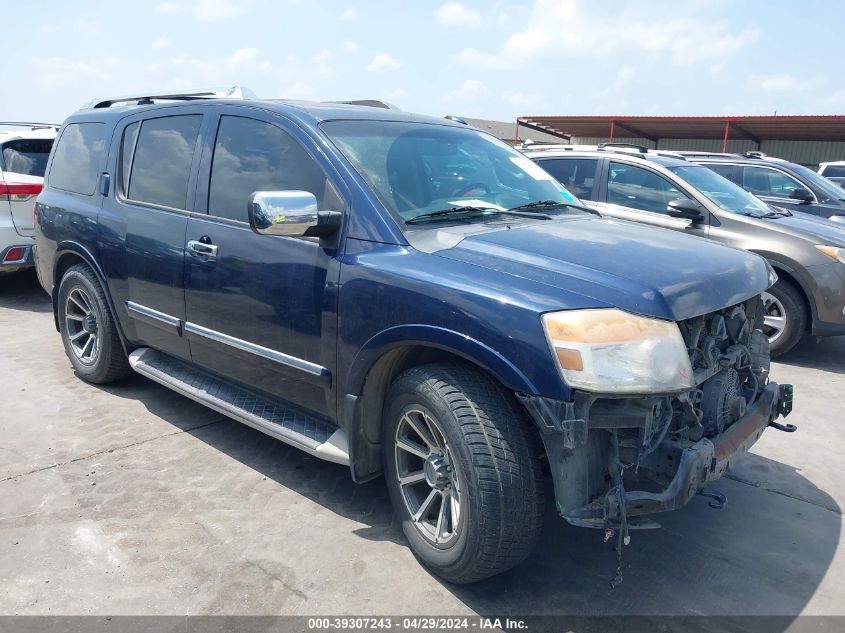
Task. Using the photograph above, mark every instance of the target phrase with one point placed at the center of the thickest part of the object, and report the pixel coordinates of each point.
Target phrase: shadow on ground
(764, 554)
(21, 291)
(826, 354)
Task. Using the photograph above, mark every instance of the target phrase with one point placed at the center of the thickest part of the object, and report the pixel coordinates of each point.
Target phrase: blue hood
(641, 269)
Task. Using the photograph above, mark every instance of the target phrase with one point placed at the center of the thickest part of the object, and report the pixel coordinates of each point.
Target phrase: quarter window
(638, 188)
(161, 165)
(79, 158)
(578, 175)
(769, 182)
(250, 156)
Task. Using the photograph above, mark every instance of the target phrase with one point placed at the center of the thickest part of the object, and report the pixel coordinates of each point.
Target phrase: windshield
(721, 191)
(829, 189)
(418, 169)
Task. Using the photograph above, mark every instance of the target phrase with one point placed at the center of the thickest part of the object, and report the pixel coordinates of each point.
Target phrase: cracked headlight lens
(611, 351)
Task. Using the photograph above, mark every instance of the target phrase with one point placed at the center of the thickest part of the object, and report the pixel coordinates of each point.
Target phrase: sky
(497, 59)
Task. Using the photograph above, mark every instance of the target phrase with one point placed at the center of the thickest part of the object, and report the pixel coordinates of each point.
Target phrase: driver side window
(763, 181)
(639, 188)
(250, 156)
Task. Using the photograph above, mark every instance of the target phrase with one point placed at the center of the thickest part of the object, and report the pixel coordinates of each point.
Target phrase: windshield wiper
(551, 204)
(470, 212)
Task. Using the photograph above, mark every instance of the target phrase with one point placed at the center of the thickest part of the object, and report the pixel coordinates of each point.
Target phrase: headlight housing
(835, 253)
(611, 351)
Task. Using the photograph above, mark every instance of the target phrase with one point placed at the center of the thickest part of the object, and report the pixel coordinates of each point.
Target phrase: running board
(309, 434)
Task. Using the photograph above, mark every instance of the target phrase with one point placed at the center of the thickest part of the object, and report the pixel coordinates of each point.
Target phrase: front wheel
(463, 470)
(785, 318)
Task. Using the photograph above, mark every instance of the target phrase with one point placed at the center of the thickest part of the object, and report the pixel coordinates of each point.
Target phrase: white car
(24, 148)
(835, 171)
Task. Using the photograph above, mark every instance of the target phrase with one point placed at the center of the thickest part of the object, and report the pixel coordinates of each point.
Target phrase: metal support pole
(725, 141)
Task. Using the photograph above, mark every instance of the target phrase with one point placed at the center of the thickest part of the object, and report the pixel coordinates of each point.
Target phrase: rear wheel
(88, 331)
(464, 472)
(785, 319)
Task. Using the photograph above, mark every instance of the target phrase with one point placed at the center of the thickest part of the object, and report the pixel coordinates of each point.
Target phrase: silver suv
(665, 190)
(24, 148)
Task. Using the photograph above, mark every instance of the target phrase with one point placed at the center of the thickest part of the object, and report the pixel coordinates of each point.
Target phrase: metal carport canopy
(656, 128)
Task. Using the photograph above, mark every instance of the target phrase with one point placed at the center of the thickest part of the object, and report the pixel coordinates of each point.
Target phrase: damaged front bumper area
(593, 465)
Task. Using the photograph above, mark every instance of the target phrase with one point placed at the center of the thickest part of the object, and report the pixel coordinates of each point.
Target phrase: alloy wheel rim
(82, 326)
(428, 477)
(774, 319)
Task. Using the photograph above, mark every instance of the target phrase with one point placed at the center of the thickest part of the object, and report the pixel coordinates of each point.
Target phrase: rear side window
(79, 158)
(250, 156)
(731, 172)
(578, 175)
(833, 171)
(26, 156)
(161, 163)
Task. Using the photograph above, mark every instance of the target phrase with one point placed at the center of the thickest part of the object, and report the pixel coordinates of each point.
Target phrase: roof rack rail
(642, 149)
(754, 154)
(34, 126)
(529, 144)
(147, 98)
(693, 154)
(372, 103)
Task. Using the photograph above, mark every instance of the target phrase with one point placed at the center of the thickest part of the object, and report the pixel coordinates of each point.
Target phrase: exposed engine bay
(601, 447)
(615, 460)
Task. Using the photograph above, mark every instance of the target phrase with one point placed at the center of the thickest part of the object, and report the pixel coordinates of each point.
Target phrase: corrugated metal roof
(753, 128)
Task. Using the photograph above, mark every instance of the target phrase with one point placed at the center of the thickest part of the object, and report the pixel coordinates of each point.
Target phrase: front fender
(438, 338)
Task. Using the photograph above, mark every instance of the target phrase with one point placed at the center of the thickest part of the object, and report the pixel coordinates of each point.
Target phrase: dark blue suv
(409, 296)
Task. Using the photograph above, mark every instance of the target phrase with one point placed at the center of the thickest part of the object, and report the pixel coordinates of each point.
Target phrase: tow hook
(786, 428)
(717, 499)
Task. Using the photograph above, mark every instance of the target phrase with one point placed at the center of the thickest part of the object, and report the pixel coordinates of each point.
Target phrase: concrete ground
(130, 499)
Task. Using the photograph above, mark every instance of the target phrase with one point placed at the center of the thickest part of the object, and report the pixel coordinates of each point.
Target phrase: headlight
(836, 254)
(612, 351)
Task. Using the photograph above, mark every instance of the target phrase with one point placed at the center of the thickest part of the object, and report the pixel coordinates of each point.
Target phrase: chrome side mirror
(290, 213)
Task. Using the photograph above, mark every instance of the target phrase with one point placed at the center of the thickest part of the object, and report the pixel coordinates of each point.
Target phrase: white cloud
(348, 15)
(560, 31)
(350, 46)
(85, 25)
(205, 10)
(456, 14)
(243, 56)
(160, 43)
(470, 90)
(383, 62)
(784, 82)
(523, 99)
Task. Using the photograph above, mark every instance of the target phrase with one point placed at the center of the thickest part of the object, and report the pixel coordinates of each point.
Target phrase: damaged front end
(615, 459)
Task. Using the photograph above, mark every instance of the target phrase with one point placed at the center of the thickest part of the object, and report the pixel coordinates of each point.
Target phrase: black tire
(795, 311)
(109, 362)
(497, 462)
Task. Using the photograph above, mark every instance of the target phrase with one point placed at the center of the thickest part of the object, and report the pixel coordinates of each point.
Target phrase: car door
(774, 186)
(142, 226)
(640, 194)
(261, 308)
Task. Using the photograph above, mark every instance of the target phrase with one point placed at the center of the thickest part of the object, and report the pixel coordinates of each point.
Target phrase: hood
(812, 228)
(641, 269)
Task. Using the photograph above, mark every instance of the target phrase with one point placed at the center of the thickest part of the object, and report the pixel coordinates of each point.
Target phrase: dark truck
(406, 296)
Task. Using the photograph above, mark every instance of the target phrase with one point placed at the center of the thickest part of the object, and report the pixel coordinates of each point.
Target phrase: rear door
(640, 194)
(142, 226)
(22, 165)
(261, 309)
